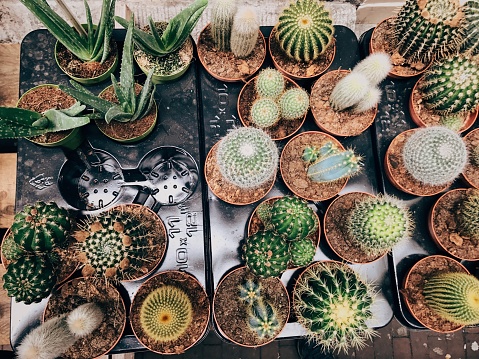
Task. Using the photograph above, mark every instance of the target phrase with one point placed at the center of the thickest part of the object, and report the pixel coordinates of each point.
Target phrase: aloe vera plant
(91, 45)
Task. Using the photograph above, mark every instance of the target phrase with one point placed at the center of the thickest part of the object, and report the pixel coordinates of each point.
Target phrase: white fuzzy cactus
(375, 67)
(84, 319)
(244, 32)
(369, 101)
(349, 91)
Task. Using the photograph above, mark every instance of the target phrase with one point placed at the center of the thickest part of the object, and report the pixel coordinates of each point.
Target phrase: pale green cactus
(468, 215)
(470, 32)
(222, 14)
(262, 319)
(302, 252)
(264, 113)
(453, 122)
(244, 33)
(269, 83)
(250, 292)
(294, 104)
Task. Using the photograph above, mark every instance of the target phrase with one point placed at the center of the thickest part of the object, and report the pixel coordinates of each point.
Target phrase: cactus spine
(333, 167)
(302, 252)
(264, 113)
(262, 319)
(269, 83)
(305, 30)
(349, 91)
(166, 313)
(294, 104)
(333, 304)
(470, 42)
(222, 14)
(250, 292)
(244, 32)
(468, 215)
(375, 67)
(434, 155)
(454, 296)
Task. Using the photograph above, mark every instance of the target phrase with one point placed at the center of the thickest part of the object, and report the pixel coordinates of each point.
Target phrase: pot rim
(468, 180)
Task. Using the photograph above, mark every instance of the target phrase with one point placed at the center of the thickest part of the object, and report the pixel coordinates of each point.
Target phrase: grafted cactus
(222, 14)
(244, 32)
(294, 104)
(250, 292)
(468, 215)
(475, 155)
(269, 83)
(305, 30)
(263, 320)
(302, 252)
(264, 113)
(349, 91)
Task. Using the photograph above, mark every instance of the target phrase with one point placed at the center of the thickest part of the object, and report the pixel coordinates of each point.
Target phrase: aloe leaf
(17, 122)
(146, 42)
(156, 36)
(127, 80)
(89, 99)
(60, 121)
(108, 32)
(90, 29)
(74, 109)
(117, 114)
(80, 87)
(120, 94)
(146, 95)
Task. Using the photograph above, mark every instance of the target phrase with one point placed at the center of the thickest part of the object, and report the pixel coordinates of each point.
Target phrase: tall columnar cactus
(468, 215)
(264, 112)
(11, 250)
(454, 296)
(375, 67)
(305, 30)
(302, 252)
(41, 227)
(453, 122)
(335, 166)
(222, 14)
(451, 85)
(262, 319)
(378, 223)
(30, 278)
(333, 304)
(269, 83)
(470, 42)
(349, 91)
(244, 32)
(249, 291)
(434, 155)
(294, 104)
(292, 219)
(166, 313)
(424, 28)
(266, 254)
(247, 157)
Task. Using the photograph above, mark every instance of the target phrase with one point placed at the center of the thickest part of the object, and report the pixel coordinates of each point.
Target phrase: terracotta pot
(203, 49)
(311, 70)
(236, 330)
(470, 173)
(415, 302)
(348, 120)
(199, 322)
(4, 260)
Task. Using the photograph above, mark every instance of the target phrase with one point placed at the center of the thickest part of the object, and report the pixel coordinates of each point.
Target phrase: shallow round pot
(469, 173)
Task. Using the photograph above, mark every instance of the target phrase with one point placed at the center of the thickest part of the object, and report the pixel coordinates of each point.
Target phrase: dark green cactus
(250, 292)
(262, 319)
(264, 112)
(468, 215)
(470, 41)
(11, 250)
(222, 14)
(302, 252)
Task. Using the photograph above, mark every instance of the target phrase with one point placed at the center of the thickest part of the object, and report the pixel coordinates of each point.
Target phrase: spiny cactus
(262, 319)
(30, 278)
(475, 155)
(378, 223)
(250, 292)
(11, 250)
(453, 122)
(83, 320)
(375, 67)
(333, 304)
(451, 85)
(294, 104)
(264, 112)
(468, 215)
(335, 166)
(222, 14)
(434, 155)
(454, 296)
(266, 254)
(41, 226)
(244, 32)
(349, 91)
(470, 41)
(302, 252)
(263, 211)
(292, 219)
(247, 157)
(312, 153)
(269, 83)
(426, 28)
(305, 30)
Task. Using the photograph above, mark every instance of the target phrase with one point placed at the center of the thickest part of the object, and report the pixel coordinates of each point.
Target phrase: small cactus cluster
(222, 14)
(454, 296)
(166, 313)
(468, 215)
(359, 89)
(434, 155)
(378, 223)
(328, 163)
(265, 112)
(333, 304)
(247, 157)
(451, 85)
(305, 30)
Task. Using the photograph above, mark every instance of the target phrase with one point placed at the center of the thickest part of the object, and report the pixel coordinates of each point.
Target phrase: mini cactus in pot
(294, 104)
(263, 320)
(222, 15)
(468, 215)
(269, 83)
(265, 112)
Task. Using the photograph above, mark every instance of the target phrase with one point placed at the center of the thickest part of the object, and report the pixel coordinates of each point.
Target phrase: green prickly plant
(434, 155)
(451, 85)
(470, 41)
(269, 83)
(426, 28)
(244, 32)
(375, 67)
(250, 292)
(222, 15)
(333, 304)
(294, 103)
(264, 112)
(335, 166)
(41, 227)
(468, 215)
(454, 296)
(378, 223)
(453, 122)
(30, 278)
(292, 219)
(10, 249)
(262, 319)
(166, 313)
(312, 153)
(263, 212)
(266, 254)
(247, 157)
(302, 252)
(305, 30)
(349, 91)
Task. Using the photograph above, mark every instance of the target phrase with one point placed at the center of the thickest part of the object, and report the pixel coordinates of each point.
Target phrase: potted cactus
(470, 173)
(425, 161)
(302, 45)
(166, 47)
(241, 167)
(231, 47)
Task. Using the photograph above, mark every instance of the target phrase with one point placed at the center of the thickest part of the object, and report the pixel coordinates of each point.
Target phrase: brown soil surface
(201, 311)
(225, 65)
(294, 169)
(231, 315)
(413, 287)
(471, 172)
(80, 291)
(297, 69)
(338, 123)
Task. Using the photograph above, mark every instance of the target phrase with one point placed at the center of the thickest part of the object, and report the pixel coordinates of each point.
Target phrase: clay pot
(470, 174)
(336, 123)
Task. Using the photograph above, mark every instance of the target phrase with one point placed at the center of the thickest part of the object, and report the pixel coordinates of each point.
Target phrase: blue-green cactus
(250, 292)
(262, 319)
(334, 167)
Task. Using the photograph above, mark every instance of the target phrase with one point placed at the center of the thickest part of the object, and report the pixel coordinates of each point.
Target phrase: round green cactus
(266, 254)
(294, 104)
(302, 252)
(262, 319)
(244, 33)
(264, 113)
(250, 292)
(247, 157)
(41, 227)
(434, 155)
(333, 304)
(11, 250)
(305, 30)
(454, 296)
(166, 313)
(222, 14)
(378, 223)
(269, 83)
(468, 215)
